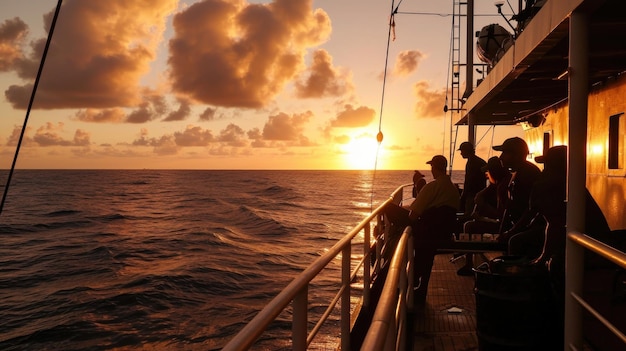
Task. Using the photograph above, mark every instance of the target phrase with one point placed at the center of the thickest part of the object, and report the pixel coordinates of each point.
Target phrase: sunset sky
(229, 84)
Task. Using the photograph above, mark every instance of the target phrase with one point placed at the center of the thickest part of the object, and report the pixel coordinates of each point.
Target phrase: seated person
(521, 229)
(418, 182)
(489, 208)
(432, 216)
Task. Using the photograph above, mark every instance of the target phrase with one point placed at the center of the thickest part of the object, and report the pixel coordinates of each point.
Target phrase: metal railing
(388, 328)
(576, 244)
(296, 293)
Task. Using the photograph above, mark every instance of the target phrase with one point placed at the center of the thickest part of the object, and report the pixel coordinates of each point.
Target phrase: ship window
(547, 141)
(617, 128)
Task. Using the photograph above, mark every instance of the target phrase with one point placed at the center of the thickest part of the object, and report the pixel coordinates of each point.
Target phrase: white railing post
(300, 319)
(345, 297)
(366, 265)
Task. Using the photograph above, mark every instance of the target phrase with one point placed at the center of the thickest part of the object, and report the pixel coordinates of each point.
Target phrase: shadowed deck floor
(448, 319)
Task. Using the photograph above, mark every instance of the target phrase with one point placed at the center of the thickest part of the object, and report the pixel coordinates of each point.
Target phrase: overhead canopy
(532, 74)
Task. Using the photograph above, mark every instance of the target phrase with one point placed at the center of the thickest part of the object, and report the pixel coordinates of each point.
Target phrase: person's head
(494, 169)
(514, 152)
(438, 165)
(467, 149)
(554, 161)
(417, 175)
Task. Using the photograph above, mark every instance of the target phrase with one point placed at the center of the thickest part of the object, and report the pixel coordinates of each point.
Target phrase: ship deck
(447, 322)
(448, 319)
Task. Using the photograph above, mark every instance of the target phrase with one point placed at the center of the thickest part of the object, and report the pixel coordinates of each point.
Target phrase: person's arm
(419, 205)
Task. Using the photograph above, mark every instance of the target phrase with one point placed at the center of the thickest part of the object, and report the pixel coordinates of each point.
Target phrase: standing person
(475, 180)
(518, 219)
(418, 182)
(432, 216)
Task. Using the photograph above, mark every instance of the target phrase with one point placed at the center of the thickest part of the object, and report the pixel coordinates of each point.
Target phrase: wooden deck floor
(447, 322)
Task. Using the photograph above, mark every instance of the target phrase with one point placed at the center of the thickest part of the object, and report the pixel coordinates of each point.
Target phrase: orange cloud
(407, 62)
(234, 54)
(353, 118)
(194, 136)
(323, 79)
(49, 135)
(283, 127)
(12, 34)
(99, 53)
(429, 102)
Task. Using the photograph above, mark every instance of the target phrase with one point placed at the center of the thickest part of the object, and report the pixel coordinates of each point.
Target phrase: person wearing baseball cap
(432, 216)
(475, 179)
(518, 218)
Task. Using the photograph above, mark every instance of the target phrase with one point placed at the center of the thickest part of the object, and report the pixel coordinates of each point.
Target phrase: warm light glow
(596, 149)
(360, 152)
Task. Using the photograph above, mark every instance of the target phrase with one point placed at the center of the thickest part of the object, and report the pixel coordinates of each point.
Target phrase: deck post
(300, 319)
(366, 265)
(576, 180)
(345, 297)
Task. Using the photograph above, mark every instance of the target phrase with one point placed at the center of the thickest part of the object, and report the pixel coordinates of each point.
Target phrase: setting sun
(360, 152)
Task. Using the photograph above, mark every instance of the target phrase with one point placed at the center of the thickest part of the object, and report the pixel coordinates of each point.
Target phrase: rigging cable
(379, 136)
(30, 104)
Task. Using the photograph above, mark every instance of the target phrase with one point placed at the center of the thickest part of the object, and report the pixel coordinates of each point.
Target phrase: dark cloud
(352, 118)
(181, 114)
(429, 102)
(208, 114)
(323, 79)
(407, 62)
(12, 34)
(234, 54)
(87, 67)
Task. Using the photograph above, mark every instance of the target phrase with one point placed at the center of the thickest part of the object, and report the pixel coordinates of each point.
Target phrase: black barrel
(515, 307)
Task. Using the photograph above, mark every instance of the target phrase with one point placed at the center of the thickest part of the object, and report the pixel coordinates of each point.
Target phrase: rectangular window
(547, 141)
(616, 141)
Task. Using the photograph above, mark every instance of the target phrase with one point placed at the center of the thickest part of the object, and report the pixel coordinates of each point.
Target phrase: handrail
(297, 290)
(387, 327)
(574, 272)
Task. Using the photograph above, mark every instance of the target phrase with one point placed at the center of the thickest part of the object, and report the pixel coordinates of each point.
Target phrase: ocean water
(164, 259)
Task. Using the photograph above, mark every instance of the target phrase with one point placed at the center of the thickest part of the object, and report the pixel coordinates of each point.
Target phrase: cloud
(49, 134)
(194, 136)
(282, 127)
(208, 114)
(12, 34)
(233, 135)
(86, 65)
(323, 79)
(234, 54)
(114, 115)
(352, 118)
(429, 102)
(407, 62)
(183, 111)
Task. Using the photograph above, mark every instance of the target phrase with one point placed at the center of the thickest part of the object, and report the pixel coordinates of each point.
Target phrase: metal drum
(515, 306)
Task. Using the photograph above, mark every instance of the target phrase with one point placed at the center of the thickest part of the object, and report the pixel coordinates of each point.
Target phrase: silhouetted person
(489, 208)
(418, 182)
(521, 228)
(475, 180)
(432, 216)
